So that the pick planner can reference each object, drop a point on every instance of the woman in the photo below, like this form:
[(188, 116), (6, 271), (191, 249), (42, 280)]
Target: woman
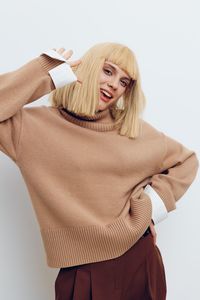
[(99, 177)]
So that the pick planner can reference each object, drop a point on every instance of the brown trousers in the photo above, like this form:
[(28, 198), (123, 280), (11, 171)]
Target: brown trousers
[(138, 274)]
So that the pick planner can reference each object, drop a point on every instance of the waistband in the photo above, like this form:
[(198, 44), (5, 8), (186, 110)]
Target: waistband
[(148, 230)]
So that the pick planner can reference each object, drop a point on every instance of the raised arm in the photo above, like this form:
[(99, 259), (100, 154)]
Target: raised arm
[(25, 85), (28, 83)]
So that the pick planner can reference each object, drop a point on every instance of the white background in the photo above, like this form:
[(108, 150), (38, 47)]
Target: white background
[(165, 37)]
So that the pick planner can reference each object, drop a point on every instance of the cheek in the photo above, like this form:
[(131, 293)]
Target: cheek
[(121, 91), (103, 78)]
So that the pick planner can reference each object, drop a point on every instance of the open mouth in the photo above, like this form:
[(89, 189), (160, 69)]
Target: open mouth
[(105, 96)]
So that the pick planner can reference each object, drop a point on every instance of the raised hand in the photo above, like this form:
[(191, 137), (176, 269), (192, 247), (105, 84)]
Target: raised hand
[(66, 54)]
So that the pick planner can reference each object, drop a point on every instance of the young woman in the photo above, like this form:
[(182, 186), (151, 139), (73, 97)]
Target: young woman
[(98, 175)]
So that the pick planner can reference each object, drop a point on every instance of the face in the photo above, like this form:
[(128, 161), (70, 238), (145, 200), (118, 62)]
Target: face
[(113, 83)]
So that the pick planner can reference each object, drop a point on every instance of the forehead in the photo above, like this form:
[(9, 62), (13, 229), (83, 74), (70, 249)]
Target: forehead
[(117, 68)]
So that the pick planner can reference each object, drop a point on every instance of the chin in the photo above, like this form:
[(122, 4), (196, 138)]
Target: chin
[(102, 108), (103, 105)]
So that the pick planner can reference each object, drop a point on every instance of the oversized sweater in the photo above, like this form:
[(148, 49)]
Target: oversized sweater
[(86, 182)]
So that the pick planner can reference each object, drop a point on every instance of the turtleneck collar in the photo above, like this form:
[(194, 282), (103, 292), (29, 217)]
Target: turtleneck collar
[(101, 121)]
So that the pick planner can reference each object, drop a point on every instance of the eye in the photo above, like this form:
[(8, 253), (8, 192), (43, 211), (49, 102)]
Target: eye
[(107, 71), (124, 83)]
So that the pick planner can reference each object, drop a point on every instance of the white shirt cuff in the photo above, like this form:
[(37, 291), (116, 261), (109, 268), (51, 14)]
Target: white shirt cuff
[(159, 211), (62, 74)]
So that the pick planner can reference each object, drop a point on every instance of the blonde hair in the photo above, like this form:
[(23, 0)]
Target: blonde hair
[(83, 99)]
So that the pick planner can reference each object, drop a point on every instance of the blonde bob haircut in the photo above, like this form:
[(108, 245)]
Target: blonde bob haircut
[(83, 98)]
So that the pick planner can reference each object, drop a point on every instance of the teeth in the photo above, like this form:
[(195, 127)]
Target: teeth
[(107, 94)]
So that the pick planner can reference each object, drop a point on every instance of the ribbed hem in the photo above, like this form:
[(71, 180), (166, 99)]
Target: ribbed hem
[(76, 245)]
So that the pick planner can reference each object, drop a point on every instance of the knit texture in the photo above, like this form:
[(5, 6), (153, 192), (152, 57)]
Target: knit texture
[(86, 182)]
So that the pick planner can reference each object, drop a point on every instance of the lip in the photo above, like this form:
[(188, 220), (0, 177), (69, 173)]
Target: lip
[(104, 99), (107, 92)]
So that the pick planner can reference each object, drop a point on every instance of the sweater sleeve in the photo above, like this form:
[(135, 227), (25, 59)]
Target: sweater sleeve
[(177, 171), (17, 88)]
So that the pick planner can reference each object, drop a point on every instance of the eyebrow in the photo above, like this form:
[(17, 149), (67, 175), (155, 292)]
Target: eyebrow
[(112, 67)]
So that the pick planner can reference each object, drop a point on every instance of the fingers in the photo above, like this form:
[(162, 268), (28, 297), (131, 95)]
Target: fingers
[(153, 232), (66, 54), (74, 63)]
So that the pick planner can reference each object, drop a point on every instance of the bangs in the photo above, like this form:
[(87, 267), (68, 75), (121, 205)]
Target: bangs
[(120, 55)]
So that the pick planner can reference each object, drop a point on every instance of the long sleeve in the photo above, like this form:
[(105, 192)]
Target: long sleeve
[(22, 86), (177, 171)]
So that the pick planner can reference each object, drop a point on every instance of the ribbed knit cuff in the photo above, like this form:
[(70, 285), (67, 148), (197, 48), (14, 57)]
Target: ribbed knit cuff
[(159, 211), (48, 63), (61, 73)]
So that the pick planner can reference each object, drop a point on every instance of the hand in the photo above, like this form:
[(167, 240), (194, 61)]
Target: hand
[(66, 54), (153, 232)]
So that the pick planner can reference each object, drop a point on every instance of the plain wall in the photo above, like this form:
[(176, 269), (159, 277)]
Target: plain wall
[(165, 39)]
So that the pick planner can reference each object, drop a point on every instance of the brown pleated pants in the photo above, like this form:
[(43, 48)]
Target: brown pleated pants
[(138, 274)]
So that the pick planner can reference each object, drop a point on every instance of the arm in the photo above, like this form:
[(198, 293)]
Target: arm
[(177, 171), (29, 83), (25, 85)]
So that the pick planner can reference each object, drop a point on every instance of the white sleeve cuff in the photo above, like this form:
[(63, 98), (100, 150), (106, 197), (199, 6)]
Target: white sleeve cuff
[(62, 74), (159, 211)]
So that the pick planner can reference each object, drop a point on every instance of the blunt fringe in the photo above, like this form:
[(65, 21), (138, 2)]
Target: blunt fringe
[(82, 98)]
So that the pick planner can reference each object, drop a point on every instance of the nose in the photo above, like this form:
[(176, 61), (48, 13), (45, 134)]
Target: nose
[(113, 84)]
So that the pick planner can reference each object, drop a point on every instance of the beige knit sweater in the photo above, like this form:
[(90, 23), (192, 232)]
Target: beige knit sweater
[(86, 182)]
